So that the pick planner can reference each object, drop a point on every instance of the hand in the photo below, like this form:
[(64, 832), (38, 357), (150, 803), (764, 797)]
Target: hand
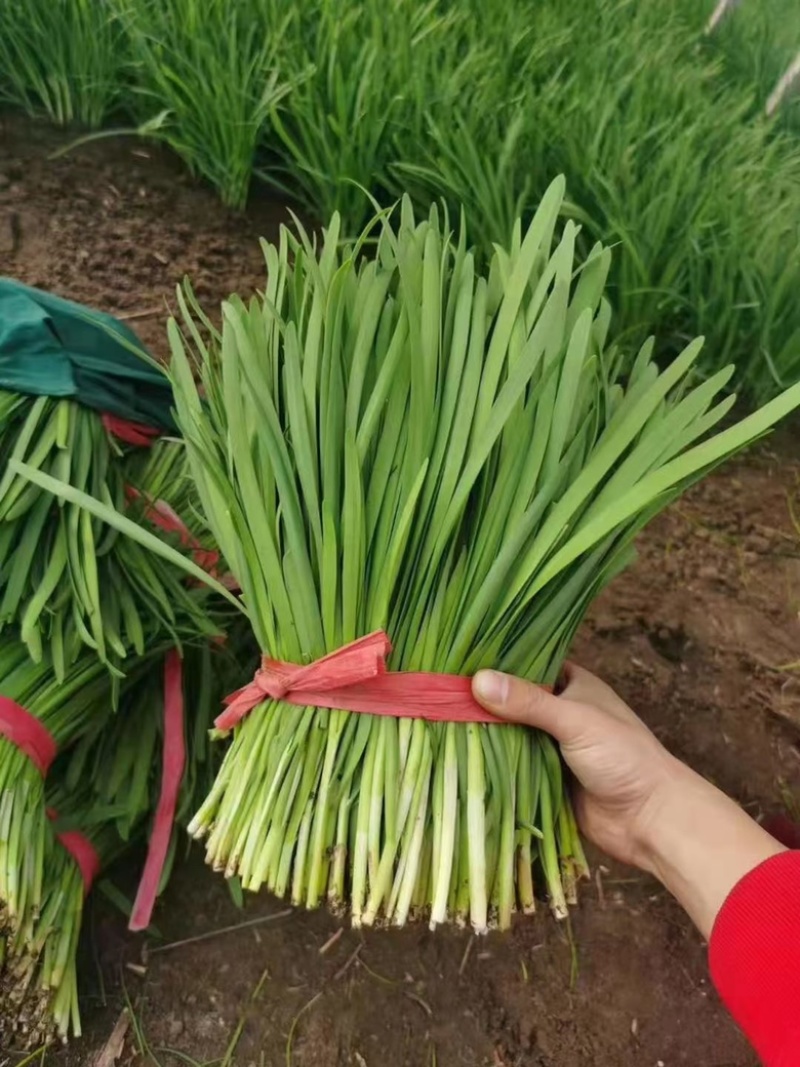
[(633, 799), (621, 769)]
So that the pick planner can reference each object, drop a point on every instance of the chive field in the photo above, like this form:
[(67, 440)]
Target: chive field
[(659, 129)]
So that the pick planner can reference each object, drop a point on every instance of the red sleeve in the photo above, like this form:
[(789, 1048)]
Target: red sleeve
[(754, 957)]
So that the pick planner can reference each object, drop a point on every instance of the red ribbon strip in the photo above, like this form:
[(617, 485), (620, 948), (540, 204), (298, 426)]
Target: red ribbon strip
[(174, 761), (29, 735), (82, 851), (132, 433), (355, 678), (160, 514)]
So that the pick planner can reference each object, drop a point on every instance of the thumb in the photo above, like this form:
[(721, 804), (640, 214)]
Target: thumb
[(519, 701)]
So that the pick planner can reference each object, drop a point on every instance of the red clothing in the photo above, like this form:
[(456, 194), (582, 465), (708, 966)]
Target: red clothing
[(754, 957)]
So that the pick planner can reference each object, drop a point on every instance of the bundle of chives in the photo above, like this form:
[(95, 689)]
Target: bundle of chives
[(34, 703), (411, 444), (105, 786), (407, 443), (64, 709), (66, 687), (65, 578), (38, 974)]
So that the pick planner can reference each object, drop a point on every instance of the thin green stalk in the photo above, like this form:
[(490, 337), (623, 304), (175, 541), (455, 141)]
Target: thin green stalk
[(476, 816), (360, 861), (443, 856)]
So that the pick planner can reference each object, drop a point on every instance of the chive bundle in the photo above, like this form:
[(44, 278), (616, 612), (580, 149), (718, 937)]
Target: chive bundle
[(67, 580), (404, 441), (107, 727), (38, 973), (104, 785), (65, 708), (87, 616)]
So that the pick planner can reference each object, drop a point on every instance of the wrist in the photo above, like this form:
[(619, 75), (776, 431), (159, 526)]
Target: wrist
[(699, 843), (676, 790)]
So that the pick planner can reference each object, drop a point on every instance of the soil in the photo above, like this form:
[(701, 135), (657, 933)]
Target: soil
[(700, 636)]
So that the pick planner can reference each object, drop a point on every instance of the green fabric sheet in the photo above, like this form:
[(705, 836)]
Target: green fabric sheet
[(53, 347)]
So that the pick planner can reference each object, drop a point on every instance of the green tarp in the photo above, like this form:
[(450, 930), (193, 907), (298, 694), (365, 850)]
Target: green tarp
[(52, 347)]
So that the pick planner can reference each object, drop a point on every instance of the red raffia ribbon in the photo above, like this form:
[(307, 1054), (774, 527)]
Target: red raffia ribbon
[(174, 761), (29, 735), (160, 514), (132, 433), (355, 678), (82, 851)]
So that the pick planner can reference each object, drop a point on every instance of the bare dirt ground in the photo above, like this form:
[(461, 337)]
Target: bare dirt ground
[(699, 636)]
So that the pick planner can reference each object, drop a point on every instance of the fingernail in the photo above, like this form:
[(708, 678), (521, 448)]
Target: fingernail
[(491, 687)]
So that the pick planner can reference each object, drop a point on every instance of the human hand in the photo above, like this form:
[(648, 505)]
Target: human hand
[(622, 771), (633, 799)]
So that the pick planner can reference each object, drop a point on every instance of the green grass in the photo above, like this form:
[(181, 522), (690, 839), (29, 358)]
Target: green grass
[(356, 70), (757, 41), (659, 129), (61, 58), (212, 66), (701, 195), (666, 158)]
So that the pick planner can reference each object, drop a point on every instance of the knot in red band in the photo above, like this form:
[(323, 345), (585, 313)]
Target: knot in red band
[(351, 665), (273, 680)]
